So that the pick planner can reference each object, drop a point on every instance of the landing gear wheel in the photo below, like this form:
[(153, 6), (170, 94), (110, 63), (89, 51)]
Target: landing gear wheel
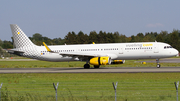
[(86, 66), (96, 66), (158, 65)]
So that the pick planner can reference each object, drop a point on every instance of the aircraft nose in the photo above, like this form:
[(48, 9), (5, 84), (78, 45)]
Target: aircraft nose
[(176, 52)]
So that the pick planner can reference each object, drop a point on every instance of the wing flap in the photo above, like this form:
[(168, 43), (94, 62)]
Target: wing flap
[(80, 54)]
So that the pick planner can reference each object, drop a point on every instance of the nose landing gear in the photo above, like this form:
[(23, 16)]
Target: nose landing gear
[(158, 65)]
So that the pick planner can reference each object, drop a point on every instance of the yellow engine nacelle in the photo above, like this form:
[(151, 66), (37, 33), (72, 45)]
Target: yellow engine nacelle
[(100, 61), (118, 62)]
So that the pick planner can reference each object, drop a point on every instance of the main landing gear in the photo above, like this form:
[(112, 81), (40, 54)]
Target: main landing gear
[(158, 65), (96, 66), (87, 66)]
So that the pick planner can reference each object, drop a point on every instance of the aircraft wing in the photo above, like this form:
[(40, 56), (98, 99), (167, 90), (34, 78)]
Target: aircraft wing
[(87, 55), (80, 54)]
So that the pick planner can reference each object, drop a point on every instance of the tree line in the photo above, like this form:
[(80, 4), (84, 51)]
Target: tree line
[(172, 38)]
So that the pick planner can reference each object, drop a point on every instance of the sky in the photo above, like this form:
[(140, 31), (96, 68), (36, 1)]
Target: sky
[(55, 18)]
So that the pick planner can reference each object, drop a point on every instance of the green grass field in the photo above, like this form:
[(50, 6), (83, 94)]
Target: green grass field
[(89, 86)]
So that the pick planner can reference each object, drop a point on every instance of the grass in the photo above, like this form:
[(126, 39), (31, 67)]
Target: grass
[(90, 86), (87, 86)]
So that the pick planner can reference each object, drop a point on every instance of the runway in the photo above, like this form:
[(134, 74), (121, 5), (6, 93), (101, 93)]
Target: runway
[(92, 70), (165, 60)]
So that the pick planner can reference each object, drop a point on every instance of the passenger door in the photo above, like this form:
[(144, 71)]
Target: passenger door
[(156, 48), (120, 50)]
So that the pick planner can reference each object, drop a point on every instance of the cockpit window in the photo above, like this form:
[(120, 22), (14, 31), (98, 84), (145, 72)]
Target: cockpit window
[(166, 47)]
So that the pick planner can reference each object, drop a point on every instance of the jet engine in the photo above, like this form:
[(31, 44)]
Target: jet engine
[(118, 62), (96, 61)]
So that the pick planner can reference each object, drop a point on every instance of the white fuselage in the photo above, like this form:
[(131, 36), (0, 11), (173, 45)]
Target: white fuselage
[(116, 51)]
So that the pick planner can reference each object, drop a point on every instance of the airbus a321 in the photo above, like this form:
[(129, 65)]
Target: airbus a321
[(92, 54)]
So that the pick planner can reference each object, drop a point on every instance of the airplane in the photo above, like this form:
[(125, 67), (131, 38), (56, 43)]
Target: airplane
[(92, 54)]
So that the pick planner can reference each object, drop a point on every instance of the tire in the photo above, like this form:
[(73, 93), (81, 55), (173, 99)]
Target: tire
[(86, 66), (158, 65), (96, 66)]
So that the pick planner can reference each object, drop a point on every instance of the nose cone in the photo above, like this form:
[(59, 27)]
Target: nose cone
[(175, 52)]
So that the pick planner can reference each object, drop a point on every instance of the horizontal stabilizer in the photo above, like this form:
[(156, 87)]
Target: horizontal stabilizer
[(15, 51)]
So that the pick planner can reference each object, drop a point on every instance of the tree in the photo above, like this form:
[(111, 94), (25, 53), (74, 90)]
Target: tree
[(93, 37), (123, 38), (101, 37), (58, 41), (46, 40), (70, 38), (86, 39), (165, 36), (81, 37), (1, 43), (159, 38), (133, 38), (109, 38), (150, 37), (139, 37), (37, 37), (116, 37), (174, 40), (7, 44)]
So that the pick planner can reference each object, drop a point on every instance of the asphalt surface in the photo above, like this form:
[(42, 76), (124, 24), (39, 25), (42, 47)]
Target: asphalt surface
[(166, 60), (92, 70)]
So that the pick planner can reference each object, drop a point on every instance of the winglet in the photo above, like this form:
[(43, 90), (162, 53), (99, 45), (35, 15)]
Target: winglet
[(48, 49)]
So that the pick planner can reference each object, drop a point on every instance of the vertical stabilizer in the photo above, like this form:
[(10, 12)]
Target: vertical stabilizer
[(20, 39)]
